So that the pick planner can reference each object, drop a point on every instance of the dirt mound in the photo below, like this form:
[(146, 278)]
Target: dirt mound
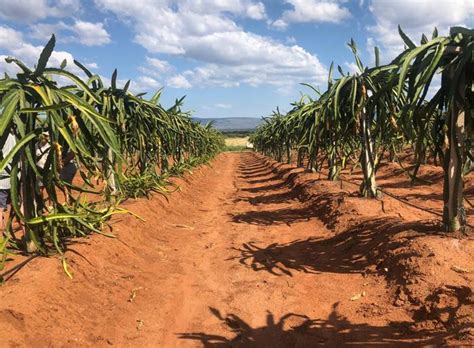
[(431, 272)]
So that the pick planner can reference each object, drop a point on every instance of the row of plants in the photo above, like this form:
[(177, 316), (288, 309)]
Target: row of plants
[(123, 145), (381, 111)]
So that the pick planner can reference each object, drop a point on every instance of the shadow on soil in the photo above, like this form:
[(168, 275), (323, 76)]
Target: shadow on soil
[(273, 190), (346, 252), (273, 217), (296, 330), (360, 248), (275, 198)]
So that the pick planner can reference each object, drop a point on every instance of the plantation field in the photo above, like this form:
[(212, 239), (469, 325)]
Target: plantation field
[(255, 253), (343, 218)]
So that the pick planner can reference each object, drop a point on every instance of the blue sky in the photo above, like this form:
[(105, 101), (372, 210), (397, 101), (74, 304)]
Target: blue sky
[(229, 57)]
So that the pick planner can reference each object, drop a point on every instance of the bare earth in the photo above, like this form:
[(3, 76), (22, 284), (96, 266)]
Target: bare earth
[(246, 255)]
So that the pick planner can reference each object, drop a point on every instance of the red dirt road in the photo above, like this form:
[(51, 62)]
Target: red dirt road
[(235, 259)]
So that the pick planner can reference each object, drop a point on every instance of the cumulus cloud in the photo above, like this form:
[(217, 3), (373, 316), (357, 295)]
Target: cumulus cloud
[(279, 24), (43, 31), (287, 68), (156, 68), (86, 33), (223, 106), (352, 67), (415, 18), (13, 43), (147, 83), (33, 10), (178, 81), (91, 34), (10, 39), (291, 40), (91, 65), (203, 31), (318, 11), (245, 8), (136, 86), (256, 11), (158, 64), (9, 69)]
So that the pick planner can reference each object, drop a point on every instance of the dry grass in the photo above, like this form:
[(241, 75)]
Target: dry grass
[(238, 141)]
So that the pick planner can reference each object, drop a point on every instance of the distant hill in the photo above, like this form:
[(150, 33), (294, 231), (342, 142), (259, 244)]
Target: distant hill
[(232, 124)]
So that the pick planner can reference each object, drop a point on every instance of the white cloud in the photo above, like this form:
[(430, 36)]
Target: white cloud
[(245, 8), (435, 85), (415, 18), (280, 24), (10, 39), (236, 47), (91, 65), (223, 106), (203, 30), (156, 68), (141, 84), (147, 83), (13, 43), (33, 10), (286, 91), (43, 31), (256, 11), (277, 74), (158, 64), (317, 11), (10, 69), (178, 81), (91, 34), (86, 33), (291, 40), (352, 67)]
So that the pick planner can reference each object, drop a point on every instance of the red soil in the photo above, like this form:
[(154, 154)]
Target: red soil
[(253, 253)]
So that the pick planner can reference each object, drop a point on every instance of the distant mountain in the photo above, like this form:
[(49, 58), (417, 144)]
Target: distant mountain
[(229, 124)]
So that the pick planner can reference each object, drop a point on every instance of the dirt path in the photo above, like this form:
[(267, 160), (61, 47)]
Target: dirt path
[(233, 260)]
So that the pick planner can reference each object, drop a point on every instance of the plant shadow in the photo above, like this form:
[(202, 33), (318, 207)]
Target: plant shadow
[(297, 330), (346, 252)]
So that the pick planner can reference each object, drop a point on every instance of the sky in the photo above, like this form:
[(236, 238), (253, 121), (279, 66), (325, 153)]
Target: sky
[(231, 58)]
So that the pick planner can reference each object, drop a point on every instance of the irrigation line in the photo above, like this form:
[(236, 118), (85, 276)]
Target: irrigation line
[(427, 210), (410, 204), (400, 199)]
